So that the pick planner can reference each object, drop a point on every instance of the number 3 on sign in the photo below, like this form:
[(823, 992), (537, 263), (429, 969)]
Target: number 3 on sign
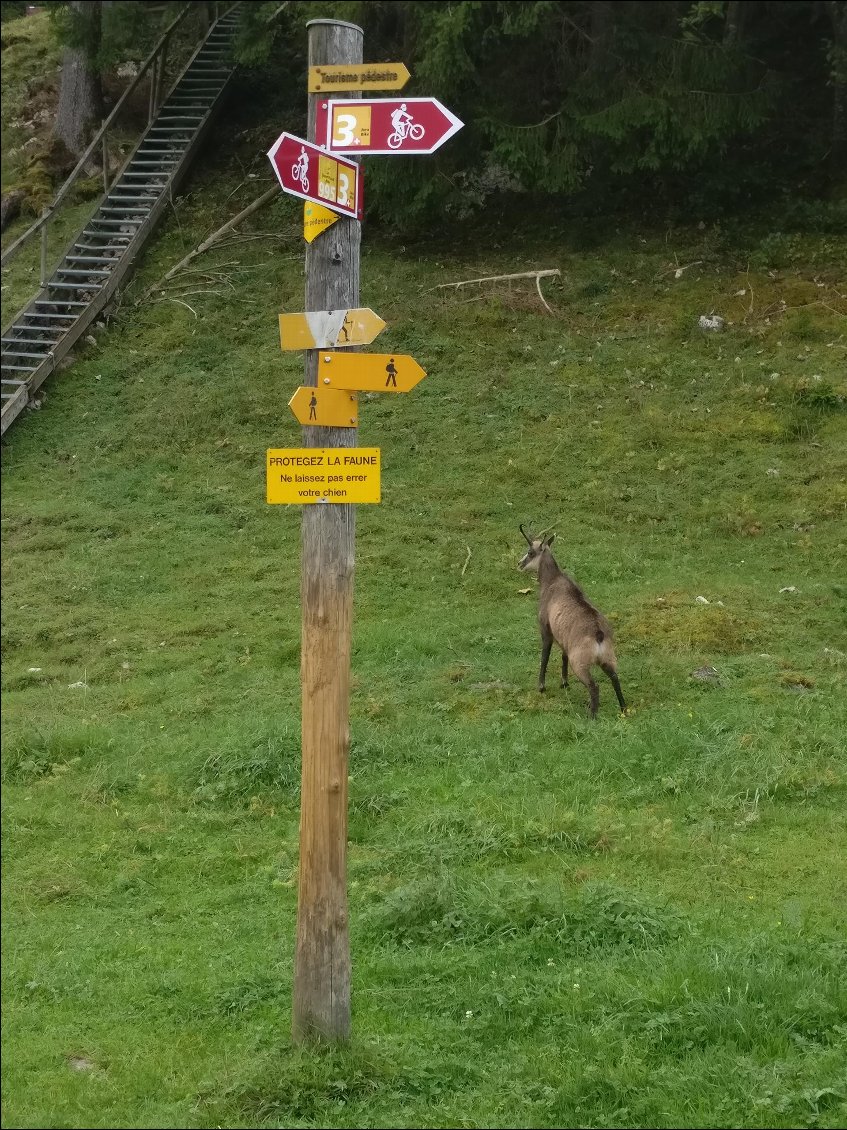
[(336, 184), (352, 129), (344, 190)]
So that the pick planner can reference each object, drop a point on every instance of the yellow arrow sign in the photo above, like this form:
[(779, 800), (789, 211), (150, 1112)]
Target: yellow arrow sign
[(325, 407), (371, 372), (316, 219), (323, 474), (329, 329), (359, 76)]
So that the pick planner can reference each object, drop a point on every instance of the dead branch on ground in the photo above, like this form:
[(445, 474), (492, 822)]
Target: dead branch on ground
[(537, 275)]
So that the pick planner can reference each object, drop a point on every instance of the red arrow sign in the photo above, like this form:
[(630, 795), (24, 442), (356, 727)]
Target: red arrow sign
[(310, 172), (385, 125)]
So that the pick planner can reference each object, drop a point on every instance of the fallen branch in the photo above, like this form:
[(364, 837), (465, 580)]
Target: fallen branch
[(214, 238), (500, 278), (181, 303), (537, 275)]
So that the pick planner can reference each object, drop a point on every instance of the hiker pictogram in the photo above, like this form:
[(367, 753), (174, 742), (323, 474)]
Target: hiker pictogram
[(313, 404), (391, 369)]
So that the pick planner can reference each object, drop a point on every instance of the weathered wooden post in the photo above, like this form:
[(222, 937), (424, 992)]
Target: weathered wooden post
[(321, 998)]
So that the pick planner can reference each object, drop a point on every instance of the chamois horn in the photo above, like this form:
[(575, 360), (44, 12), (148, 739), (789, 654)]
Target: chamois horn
[(525, 534)]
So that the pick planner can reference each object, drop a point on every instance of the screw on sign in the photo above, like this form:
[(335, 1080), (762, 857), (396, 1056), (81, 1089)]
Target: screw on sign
[(385, 125), (307, 171)]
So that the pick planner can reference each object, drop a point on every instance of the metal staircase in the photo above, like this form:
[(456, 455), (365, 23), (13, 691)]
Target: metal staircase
[(101, 256)]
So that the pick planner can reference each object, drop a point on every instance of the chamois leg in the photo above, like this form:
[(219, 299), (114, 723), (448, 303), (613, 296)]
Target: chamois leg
[(546, 646), (583, 673), (564, 668), (616, 683)]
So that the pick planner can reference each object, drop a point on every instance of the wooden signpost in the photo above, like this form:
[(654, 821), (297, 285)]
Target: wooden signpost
[(329, 475)]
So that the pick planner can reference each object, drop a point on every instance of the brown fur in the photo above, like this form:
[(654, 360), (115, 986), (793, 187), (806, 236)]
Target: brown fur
[(566, 616)]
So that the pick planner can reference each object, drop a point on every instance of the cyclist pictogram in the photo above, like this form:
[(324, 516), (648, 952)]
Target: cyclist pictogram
[(300, 169), (404, 126)]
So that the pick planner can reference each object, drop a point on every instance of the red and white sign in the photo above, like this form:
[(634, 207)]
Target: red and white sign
[(306, 170), (385, 125)]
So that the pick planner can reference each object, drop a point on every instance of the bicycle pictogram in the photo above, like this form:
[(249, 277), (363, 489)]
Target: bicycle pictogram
[(300, 169), (404, 126)]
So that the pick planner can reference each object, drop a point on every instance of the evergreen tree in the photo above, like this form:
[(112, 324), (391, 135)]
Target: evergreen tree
[(706, 104)]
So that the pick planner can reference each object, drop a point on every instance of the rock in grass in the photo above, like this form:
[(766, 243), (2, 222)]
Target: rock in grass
[(706, 675)]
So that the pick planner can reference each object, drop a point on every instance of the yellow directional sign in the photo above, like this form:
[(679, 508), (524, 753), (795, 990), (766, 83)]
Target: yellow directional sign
[(358, 76), (371, 372), (316, 219), (325, 407), (323, 474), (329, 329)]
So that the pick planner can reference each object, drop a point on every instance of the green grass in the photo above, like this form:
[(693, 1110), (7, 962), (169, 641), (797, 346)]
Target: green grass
[(635, 922)]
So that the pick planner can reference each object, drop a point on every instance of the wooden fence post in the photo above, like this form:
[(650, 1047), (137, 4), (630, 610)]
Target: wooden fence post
[(322, 967)]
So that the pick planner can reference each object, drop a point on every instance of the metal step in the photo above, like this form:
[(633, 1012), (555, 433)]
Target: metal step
[(58, 302), (116, 223), (84, 272), (51, 317), (77, 287), (128, 194), (25, 340), (18, 369), (37, 357)]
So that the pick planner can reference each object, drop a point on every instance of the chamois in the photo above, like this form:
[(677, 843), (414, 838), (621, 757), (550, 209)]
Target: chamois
[(567, 617)]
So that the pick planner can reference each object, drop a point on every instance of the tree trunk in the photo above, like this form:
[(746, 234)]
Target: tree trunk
[(10, 207), (80, 97)]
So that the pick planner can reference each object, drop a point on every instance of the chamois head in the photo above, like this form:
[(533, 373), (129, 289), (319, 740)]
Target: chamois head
[(532, 558)]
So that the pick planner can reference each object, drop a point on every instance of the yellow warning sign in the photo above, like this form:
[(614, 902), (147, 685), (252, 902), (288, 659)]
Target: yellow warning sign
[(302, 475), (316, 219)]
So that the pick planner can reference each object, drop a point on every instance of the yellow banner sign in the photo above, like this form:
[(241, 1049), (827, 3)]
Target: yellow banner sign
[(329, 329), (316, 219), (371, 372), (303, 475), (358, 76), (325, 407)]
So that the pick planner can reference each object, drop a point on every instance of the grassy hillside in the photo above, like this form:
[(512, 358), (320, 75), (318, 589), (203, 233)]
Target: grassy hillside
[(635, 922)]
